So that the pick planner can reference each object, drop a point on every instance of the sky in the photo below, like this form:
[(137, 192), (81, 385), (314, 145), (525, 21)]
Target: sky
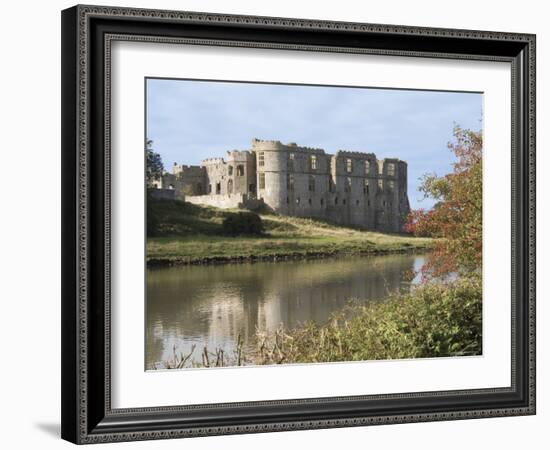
[(189, 121)]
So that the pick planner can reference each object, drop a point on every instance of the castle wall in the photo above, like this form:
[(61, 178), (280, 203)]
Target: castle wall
[(296, 178), (348, 188), (230, 201)]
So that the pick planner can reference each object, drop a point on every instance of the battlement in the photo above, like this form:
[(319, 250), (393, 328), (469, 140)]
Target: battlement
[(352, 154), (347, 187), (212, 161), (271, 145), (187, 170), (239, 155)]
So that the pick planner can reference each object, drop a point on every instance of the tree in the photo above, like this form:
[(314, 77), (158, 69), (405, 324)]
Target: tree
[(154, 171), (155, 168), (456, 219)]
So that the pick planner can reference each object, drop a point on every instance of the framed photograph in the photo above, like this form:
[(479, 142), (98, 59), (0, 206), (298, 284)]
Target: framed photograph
[(277, 224)]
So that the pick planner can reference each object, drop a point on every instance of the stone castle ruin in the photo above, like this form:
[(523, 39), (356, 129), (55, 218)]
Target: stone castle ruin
[(347, 188)]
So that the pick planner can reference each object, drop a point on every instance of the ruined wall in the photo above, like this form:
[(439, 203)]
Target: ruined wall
[(189, 180), (230, 201), (347, 188), (237, 175), (296, 179), (392, 204)]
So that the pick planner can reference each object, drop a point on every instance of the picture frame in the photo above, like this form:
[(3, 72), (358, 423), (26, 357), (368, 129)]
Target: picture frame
[(88, 33)]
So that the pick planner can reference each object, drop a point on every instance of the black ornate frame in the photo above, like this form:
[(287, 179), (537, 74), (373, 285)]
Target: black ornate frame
[(87, 32)]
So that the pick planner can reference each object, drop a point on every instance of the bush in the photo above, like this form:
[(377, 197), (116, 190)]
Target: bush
[(434, 320), (243, 223)]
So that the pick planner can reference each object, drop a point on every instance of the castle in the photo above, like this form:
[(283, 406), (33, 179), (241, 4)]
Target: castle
[(347, 188)]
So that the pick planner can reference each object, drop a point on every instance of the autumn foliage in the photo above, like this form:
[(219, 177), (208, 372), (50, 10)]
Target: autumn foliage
[(456, 218)]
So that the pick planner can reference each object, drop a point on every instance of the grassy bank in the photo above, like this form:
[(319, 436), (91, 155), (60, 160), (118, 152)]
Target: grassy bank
[(190, 234), (433, 320)]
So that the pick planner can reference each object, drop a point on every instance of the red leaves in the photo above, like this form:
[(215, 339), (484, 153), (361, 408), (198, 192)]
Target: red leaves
[(456, 220)]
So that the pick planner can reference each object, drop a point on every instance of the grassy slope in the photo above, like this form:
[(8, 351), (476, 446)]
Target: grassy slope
[(190, 233)]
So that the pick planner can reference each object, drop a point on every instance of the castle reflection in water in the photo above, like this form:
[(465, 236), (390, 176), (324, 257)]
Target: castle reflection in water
[(213, 305)]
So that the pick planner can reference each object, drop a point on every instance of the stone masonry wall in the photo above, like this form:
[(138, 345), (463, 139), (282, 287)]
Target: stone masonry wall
[(347, 188)]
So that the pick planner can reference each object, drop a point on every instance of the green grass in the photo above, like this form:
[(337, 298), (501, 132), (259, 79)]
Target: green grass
[(189, 233)]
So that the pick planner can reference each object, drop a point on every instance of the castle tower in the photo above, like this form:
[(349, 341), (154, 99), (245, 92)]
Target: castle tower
[(292, 180)]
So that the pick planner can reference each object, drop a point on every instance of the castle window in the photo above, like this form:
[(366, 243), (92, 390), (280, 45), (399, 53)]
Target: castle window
[(348, 185), (344, 201), (330, 185), (391, 185), (313, 162), (261, 180), (391, 169), (171, 186), (298, 201), (349, 165), (230, 170), (311, 184), (261, 159), (251, 188), (287, 200), (336, 201), (199, 188), (322, 202), (240, 170), (366, 187), (218, 188), (309, 201), (368, 203), (384, 203), (290, 182), (367, 167), (380, 184), (209, 188), (291, 161), (230, 187)]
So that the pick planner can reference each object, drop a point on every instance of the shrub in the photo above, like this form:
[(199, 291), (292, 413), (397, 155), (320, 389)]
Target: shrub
[(243, 223), (434, 320)]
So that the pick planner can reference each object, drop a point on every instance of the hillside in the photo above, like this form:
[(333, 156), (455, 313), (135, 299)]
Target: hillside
[(191, 234)]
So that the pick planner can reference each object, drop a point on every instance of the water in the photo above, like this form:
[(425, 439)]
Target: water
[(213, 305)]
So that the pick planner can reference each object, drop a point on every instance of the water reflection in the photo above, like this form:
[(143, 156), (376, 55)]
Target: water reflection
[(213, 305)]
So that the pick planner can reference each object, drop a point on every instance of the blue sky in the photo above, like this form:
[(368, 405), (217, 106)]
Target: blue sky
[(192, 120)]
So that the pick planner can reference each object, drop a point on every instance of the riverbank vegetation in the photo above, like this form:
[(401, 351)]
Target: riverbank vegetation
[(438, 319), (192, 234)]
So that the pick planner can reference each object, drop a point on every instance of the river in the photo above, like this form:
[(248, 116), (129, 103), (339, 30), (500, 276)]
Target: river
[(213, 304)]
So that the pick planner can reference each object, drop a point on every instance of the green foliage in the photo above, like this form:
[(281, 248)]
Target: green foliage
[(243, 223), (456, 219), (155, 168), (434, 320)]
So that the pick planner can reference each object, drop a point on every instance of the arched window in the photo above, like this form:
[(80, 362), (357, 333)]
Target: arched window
[(230, 187)]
